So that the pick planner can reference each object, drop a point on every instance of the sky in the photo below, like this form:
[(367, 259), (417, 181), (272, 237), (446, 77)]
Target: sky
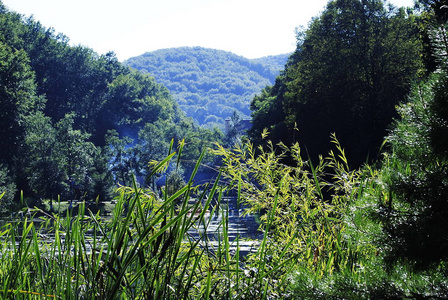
[(250, 28)]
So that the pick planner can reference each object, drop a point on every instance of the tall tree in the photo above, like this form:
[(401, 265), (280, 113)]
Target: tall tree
[(415, 213), (75, 157), (17, 99), (40, 175), (352, 65), (135, 99)]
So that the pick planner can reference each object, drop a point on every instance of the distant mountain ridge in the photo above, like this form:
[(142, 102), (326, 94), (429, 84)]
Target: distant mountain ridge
[(210, 84)]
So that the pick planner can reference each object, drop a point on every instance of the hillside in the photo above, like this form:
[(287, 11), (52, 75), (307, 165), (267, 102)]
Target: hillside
[(275, 62), (209, 84)]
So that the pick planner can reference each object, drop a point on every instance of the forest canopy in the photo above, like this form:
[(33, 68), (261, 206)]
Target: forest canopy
[(209, 84)]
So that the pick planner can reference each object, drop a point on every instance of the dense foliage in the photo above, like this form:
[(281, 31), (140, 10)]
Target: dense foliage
[(354, 63), (209, 84), (61, 106), (415, 213), (329, 231)]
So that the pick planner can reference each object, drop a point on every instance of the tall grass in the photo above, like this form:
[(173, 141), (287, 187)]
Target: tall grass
[(319, 239), (145, 251), (322, 239)]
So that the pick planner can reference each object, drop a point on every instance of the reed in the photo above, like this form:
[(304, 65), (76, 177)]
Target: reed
[(319, 238), (145, 251)]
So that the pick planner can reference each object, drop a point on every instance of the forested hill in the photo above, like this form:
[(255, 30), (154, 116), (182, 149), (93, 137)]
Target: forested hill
[(210, 84), (275, 62)]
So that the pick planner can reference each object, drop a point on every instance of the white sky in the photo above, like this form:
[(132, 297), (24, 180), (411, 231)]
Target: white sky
[(251, 28)]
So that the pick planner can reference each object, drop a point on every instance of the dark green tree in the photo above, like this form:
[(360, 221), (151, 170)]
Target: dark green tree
[(17, 99), (153, 144), (415, 216), (40, 175), (74, 155), (8, 190), (352, 65), (101, 185), (174, 182), (135, 99)]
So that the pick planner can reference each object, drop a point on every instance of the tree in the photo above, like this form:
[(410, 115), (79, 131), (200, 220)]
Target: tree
[(153, 144), (134, 100), (7, 191), (17, 99), (74, 155), (40, 175), (59, 102), (352, 66), (174, 182), (122, 157), (415, 211), (102, 185)]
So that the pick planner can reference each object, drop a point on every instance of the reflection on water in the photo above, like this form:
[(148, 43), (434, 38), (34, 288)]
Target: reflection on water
[(245, 228)]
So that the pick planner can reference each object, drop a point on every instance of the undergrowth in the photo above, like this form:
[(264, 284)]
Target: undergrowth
[(319, 238)]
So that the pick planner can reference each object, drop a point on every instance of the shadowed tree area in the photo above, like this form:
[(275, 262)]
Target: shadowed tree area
[(415, 213), (352, 66)]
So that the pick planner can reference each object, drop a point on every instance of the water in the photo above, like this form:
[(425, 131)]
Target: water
[(245, 228)]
